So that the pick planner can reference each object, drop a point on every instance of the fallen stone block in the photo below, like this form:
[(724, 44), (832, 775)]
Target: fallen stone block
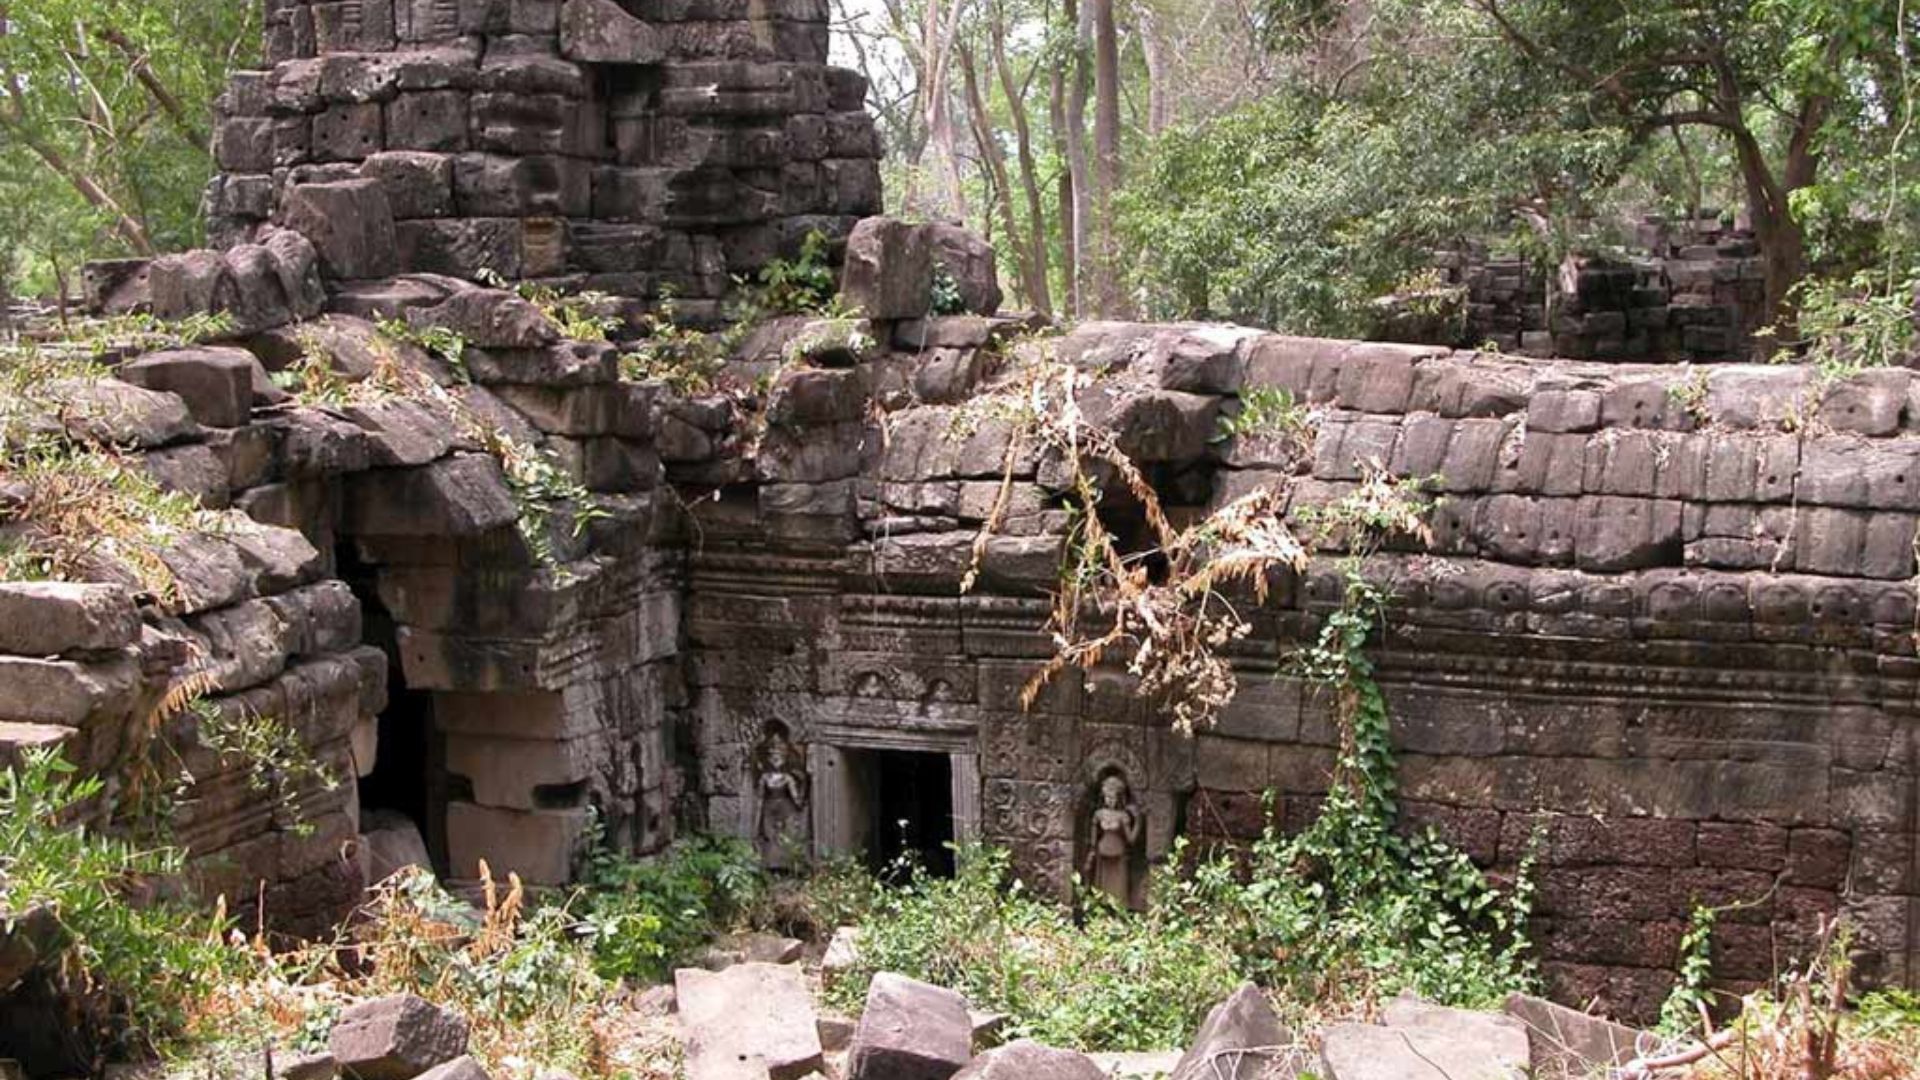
[(63, 693), (910, 1030), (390, 843), (315, 1066), (396, 1038), (120, 413), (47, 618), (1417, 1040), (749, 1022), (971, 264), (458, 496), (1024, 1059), (842, 956), (463, 1067), (1240, 1037), (1565, 1042), (490, 319)]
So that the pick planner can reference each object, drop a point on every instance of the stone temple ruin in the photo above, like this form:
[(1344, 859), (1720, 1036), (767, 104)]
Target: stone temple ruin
[(1667, 620)]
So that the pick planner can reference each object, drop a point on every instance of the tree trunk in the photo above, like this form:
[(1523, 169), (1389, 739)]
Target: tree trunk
[(938, 45), (1106, 155), (1063, 185), (1075, 134), (1042, 295), (994, 165), (1157, 51), (1783, 243)]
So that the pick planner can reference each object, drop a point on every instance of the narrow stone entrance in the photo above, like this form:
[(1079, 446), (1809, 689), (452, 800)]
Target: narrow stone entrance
[(882, 797), (909, 801)]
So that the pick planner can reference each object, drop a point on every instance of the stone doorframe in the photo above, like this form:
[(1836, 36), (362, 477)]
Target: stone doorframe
[(834, 829)]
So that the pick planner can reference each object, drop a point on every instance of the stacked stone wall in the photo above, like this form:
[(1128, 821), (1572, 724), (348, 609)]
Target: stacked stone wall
[(1688, 291), (656, 148)]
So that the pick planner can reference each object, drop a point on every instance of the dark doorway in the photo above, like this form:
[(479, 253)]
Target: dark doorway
[(409, 771), (911, 809)]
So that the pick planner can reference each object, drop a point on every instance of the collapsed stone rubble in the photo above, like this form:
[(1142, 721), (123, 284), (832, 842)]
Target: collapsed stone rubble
[(1666, 620)]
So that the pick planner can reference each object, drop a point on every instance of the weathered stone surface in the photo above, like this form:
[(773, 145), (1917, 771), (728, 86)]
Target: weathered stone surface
[(971, 263), (47, 618), (601, 32), (216, 384), (1024, 1059), (391, 843), (542, 846), (350, 224), (112, 412), (1238, 1040), (458, 496), (910, 1031), (889, 269), (490, 319), (1421, 1040), (1566, 1043), (463, 1067), (396, 1038), (751, 1020)]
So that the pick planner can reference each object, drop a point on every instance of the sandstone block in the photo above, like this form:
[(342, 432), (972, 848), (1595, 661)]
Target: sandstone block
[(47, 618), (539, 845), (215, 383), (350, 224), (910, 1031), (751, 1020), (601, 32), (490, 319), (889, 269), (1024, 1059), (1244, 1021), (396, 1038), (1420, 1040), (463, 1067), (970, 262), (457, 496)]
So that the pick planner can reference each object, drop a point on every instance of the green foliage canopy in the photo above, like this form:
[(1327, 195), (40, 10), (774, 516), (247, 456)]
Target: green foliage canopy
[(105, 113)]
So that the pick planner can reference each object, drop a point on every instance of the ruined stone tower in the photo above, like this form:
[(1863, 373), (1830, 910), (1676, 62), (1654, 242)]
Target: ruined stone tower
[(630, 148)]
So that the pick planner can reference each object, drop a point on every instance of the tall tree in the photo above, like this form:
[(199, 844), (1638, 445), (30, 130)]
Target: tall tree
[(1106, 155), (101, 107), (1071, 131), (1769, 76), (1015, 92)]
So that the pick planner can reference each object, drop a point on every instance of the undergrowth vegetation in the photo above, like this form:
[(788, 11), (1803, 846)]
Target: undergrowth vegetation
[(131, 956), (1110, 980), (542, 976)]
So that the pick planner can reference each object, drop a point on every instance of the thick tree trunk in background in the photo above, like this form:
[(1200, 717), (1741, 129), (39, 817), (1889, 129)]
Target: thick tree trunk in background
[(1106, 157), (1063, 184), (1157, 51), (1074, 134), (937, 101), (1783, 241), (1041, 295), (994, 165)]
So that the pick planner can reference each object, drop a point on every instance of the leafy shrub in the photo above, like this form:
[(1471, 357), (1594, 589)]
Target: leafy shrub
[(1267, 412), (1117, 981), (687, 361), (1850, 325), (799, 286), (643, 915), (132, 962)]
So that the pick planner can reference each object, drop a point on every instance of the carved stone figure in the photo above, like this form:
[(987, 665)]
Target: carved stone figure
[(1115, 831), (780, 831)]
